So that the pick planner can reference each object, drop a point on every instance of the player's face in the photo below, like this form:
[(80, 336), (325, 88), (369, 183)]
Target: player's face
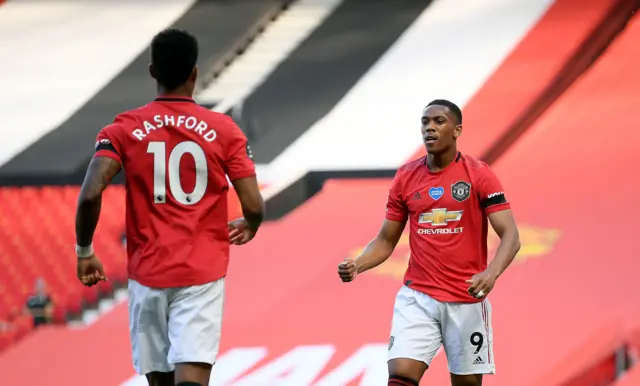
[(439, 129)]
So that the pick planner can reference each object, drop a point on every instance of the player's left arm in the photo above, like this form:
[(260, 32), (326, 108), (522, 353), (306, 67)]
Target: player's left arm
[(498, 211), (100, 172), (505, 226)]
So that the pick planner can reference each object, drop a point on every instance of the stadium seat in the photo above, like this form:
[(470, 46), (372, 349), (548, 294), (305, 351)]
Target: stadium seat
[(36, 240)]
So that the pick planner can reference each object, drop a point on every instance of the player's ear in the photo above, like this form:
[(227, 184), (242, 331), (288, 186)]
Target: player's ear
[(457, 131), (194, 74), (152, 71)]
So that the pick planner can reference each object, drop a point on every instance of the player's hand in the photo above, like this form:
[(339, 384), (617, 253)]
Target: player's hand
[(347, 270), (239, 232), (481, 284), (90, 271)]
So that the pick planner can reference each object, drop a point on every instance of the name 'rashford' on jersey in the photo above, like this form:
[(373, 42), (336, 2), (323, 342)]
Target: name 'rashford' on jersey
[(447, 213), (176, 156)]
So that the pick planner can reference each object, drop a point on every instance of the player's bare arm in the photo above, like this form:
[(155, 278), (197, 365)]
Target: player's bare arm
[(505, 227), (376, 252), (100, 172), (243, 230)]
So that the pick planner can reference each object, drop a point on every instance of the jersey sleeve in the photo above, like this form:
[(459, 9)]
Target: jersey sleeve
[(108, 143), (396, 206), (239, 162), (492, 198)]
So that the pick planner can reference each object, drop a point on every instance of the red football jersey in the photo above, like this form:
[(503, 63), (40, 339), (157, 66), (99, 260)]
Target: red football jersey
[(447, 213), (176, 155)]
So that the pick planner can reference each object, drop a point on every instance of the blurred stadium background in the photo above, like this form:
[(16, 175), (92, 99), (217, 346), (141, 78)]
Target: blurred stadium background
[(329, 93)]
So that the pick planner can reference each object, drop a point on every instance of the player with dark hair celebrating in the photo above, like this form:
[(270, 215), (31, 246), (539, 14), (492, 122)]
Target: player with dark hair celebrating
[(447, 197), (177, 156)]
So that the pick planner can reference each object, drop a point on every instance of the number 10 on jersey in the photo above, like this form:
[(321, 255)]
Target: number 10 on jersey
[(163, 168)]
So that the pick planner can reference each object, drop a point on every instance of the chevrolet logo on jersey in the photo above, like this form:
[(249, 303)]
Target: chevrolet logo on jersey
[(440, 217)]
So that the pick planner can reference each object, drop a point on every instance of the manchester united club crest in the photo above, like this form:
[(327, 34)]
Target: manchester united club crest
[(460, 190)]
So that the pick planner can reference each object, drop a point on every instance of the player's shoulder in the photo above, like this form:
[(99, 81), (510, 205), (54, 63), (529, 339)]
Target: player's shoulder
[(412, 165), (124, 123), (473, 163), (404, 172), (119, 125), (130, 117)]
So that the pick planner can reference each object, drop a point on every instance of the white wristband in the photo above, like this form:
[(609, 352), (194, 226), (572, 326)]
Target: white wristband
[(84, 252)]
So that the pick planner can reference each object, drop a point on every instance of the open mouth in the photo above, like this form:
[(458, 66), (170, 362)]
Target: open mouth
[(430, 139)]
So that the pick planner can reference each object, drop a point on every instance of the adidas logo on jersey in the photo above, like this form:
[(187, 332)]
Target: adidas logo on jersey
[(478, 361)]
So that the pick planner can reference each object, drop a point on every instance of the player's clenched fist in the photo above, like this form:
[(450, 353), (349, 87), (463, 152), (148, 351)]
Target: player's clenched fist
[(481, 284), (347, 270), (90, 271)]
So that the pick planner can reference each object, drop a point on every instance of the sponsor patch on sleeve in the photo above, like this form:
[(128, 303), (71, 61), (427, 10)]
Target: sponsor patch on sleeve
[(495, 198)]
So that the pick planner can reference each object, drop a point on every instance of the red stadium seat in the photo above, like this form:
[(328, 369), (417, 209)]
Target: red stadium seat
[(36, 241)]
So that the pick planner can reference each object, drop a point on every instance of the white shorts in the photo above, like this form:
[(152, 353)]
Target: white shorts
[(174, 325), (422, 324)]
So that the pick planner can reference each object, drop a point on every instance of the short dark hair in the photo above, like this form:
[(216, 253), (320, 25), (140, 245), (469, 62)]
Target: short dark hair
[(453, 108), (174, 53)]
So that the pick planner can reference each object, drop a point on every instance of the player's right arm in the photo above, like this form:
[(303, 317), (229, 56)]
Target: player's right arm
[(380, 249), (105, 165), (376, 252)]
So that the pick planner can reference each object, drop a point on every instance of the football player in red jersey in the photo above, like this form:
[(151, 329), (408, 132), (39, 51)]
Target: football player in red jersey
[(177, 156), (447, 198)]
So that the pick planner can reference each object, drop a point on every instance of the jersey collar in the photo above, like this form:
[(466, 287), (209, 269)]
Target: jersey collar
[(455, 160), (173, 98)]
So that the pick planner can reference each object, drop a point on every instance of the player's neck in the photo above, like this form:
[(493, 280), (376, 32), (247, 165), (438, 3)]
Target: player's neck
[(437, 162), (182, 91)]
